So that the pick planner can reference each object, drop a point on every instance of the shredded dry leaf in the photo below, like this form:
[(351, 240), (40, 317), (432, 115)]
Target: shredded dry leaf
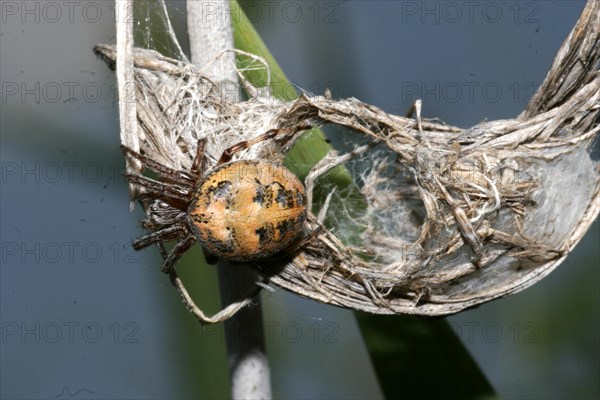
[(448, 218)]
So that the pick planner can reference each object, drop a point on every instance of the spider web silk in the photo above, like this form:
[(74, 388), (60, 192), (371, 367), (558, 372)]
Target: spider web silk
[(370, 216)]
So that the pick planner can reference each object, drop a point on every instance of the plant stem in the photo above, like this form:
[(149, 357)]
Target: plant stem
[(210, 31)]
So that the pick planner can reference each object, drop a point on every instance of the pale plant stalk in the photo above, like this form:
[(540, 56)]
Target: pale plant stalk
[(210, 32)]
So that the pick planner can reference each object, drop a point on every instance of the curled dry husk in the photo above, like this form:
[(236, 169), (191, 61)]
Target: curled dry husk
[(448, 218)]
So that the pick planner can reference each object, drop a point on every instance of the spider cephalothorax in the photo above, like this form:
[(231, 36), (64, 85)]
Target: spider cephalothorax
[(240, 211)]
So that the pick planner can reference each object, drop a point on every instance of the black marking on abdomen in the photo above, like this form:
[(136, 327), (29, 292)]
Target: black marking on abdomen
[(285, 226), (222, 190), (300, 198), (223, 247), (199, 218), (260, 195), (276, 193), (285, 198), (265, 234)]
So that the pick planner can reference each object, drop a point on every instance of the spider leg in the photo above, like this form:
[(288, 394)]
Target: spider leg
[(308, 238), (176, 203), (159, 168), (293, 248), (197, 164), (165, 234), (170, 190), (229, 152), (176, 253)]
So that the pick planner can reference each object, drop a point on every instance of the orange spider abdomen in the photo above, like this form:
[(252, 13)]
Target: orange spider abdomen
[(247, 210)]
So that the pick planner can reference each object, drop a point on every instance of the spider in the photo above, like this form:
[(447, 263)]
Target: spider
[(241, 211)]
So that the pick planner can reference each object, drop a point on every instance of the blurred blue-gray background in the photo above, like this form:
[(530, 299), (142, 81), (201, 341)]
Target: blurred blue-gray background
[(83, 316)]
